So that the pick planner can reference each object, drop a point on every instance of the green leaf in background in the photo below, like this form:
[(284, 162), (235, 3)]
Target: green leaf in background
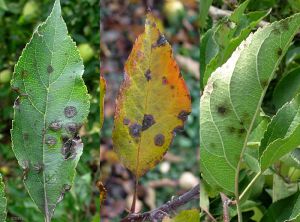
[(204, 8), (282, 135), (3, 201), (284, 210), (290, 81), (192, 215), (218, 43), (232, 99), (3, 5), (51, 107), (281, 189)]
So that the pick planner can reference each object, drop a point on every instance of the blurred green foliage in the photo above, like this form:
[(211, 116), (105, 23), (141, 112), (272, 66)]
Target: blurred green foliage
[(18, 19)]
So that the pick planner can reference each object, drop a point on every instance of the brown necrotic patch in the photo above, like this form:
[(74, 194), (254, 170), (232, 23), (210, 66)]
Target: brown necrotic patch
[(178, 129), (70, 111), (159, 139), (126, 121), (148, 121), (183, 115), (38, 167), (241, 131), (55, 125), (231, 129), (279, 51), (72, 128), (69, 147), (135, 130), (24, 73), (49, 69), (148, 75)]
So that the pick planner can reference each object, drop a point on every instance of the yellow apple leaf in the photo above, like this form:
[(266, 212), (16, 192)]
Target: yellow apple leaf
[(153, 102)]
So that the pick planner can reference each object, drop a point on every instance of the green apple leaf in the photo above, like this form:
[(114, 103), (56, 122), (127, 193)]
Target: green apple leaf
[(52, 105), (232, 100)]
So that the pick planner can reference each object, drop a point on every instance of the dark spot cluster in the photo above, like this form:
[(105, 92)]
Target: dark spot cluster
[(183, 115), (148, 121), (50, 69), (159, 139), (73, 128), (279, 51), (38, 167), (264, 83), (238, 131), (135, 130), (70, 111), (148, 75)]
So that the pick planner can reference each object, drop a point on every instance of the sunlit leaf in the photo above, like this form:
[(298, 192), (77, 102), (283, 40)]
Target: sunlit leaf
[(51, 107), (232, 100), (153, 102)]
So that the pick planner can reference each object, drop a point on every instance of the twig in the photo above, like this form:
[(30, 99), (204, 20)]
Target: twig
[(216, 13), (159, 213), (226, 201)]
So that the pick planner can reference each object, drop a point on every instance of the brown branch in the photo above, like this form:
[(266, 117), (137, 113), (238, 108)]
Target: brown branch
[(159, 213)]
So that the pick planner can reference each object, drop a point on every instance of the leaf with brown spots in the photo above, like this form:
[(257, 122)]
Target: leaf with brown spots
[(232, 100), (153, 102), (52, 105)]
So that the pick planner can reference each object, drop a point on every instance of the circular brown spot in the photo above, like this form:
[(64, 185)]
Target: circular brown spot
[(159, 139), (126, 121), (70, 111), (55, 126), (148, 121), (135, 130)]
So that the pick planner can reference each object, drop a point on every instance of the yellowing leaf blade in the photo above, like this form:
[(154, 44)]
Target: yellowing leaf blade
[(153, 102)]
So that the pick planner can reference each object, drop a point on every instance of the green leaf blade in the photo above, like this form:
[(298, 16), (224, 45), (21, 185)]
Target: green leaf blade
[(282, 135), (52, 105), (3, 201), (232, 98)]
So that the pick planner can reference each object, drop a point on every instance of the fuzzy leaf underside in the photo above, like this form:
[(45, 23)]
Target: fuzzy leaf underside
[(282, 135), (153, 102), (3, 201), (232, 98), (51, 107)]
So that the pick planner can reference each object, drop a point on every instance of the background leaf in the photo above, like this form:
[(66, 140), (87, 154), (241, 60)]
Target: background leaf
[(232, 98), (282, 135), (203, 12), (102, 95), (153, 102), (290, 81), (219, 42), (284, 210), (48, 80), (3, 201)]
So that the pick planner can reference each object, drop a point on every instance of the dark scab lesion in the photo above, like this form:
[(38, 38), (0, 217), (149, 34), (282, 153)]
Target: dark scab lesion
[(50, 69), (26, 169), (70, 111), (51, 141), (183, 115), (25, 136), (164, 80), (264, 83), (24, 73), (222, 110), (70, 146), (38, 167), (161, 41), (178, 129), (126, 121), (279, 52), (159, 139), (231, 129), (241, 131), (73, 128), (135, 130), (55, 125), (148, 121), (148, 75), (65, 188), (17, 103)]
